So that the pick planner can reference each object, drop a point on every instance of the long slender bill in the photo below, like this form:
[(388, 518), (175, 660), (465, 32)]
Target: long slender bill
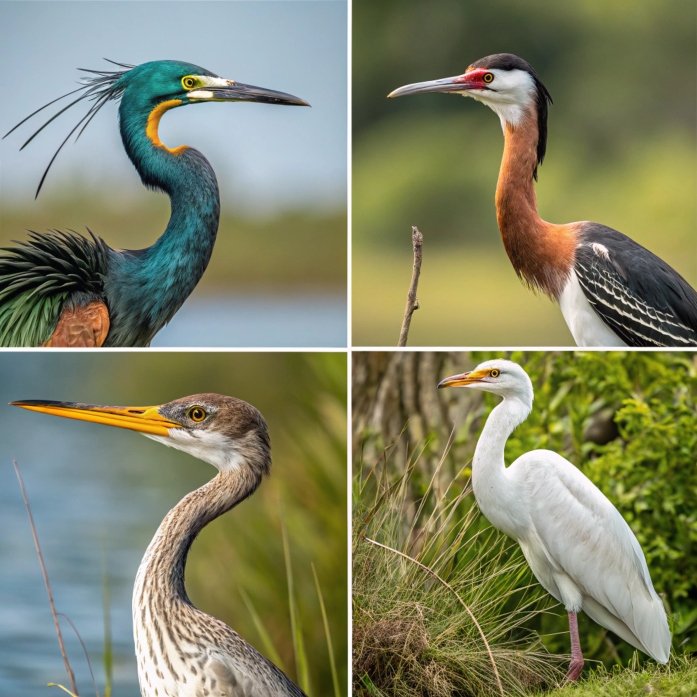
[(456, 83), (143, 419), (222, 90)]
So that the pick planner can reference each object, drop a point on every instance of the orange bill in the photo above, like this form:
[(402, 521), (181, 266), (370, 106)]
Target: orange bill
[(143, 419), (463, 379)]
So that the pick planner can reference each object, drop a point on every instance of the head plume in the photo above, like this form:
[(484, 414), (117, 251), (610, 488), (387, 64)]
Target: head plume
[(98, 87)]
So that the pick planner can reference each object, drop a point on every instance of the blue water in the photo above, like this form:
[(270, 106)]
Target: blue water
[(95, 507), (97, 499), (276, 321), (93, 520)]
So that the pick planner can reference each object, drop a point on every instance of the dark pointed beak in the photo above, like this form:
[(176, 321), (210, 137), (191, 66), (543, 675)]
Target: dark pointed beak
[(239, 92), (457, 83), (147, 420)]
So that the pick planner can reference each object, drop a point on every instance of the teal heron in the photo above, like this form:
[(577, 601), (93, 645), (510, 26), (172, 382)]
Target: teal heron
[(64, 289)]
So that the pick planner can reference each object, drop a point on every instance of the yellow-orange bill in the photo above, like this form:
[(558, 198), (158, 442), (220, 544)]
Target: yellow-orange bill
[(463, 379), (143, 419)]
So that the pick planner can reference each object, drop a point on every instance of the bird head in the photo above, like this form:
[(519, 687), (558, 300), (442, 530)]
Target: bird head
[(505, 83), (499, 376), (165, 81), (226, 432), (146, 91)]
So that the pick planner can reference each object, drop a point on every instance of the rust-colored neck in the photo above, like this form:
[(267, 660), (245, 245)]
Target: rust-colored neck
[(541, 252)]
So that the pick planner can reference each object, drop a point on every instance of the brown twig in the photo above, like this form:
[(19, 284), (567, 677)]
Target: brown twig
[(47, 583), (412, 305)]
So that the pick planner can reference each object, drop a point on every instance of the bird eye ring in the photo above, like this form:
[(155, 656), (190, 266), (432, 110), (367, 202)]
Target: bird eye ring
[(488, 77), (188, 82), (494, 373), (197, 414)]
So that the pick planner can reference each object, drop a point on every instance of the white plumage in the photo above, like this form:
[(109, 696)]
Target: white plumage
[(576, 542), (585, 325)]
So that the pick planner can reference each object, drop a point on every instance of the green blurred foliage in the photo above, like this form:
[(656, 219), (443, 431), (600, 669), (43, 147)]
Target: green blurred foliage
[(644, 405), (628, 420), (621, 148), (296, 251)]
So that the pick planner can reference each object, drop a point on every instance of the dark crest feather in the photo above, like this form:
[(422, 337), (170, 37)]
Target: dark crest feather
[(509, 61), (99, 87)]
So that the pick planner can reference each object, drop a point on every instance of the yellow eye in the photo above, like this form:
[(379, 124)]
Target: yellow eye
[(197, 414), (188, 82), (488, 77), (494, 373)]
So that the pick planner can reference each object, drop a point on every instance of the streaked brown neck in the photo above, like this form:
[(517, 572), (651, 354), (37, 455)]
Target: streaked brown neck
[(541, 252), (161, 572)]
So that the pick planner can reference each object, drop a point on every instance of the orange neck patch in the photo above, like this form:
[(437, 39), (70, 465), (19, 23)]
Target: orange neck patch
[(153, 123)]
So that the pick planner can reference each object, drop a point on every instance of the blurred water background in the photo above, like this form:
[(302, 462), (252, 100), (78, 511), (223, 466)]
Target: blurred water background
[(281, 170), (98, 495)]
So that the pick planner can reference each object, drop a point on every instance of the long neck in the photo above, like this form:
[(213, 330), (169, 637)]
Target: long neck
[(541, 252), (491, 487), (160, 578), (148, 286)]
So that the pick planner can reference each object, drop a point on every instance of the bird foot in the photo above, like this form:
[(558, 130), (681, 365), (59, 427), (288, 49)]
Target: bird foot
[(575, 669)]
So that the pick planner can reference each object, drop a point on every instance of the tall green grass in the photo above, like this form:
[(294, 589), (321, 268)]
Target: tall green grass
[(440, 602)]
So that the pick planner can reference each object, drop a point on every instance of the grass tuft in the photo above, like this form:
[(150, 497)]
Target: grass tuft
[(441, 602), (328, 635)]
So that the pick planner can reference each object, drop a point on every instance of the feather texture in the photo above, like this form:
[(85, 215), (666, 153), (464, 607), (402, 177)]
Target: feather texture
[(40, 276)]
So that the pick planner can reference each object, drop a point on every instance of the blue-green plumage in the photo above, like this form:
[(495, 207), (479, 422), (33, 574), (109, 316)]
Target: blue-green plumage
[(46, 281)]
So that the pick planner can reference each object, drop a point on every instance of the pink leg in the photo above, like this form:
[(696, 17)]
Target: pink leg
[(576, 665)]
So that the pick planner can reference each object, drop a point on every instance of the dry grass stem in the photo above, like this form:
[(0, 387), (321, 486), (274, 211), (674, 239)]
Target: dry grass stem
[(47, 582)]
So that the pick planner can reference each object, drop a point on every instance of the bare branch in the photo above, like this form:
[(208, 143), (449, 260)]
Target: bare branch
[(412, 302)]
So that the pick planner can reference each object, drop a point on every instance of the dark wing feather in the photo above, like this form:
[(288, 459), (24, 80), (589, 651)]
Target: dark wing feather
[(43, 276), (642, 299)]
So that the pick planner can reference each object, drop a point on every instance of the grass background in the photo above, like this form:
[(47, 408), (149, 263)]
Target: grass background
[(622, 151), (627, 420)]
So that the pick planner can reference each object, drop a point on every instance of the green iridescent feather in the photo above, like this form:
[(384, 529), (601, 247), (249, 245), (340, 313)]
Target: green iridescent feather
[(37, 277)]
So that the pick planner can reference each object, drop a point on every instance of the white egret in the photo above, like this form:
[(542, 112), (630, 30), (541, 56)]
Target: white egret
[(576, 542)]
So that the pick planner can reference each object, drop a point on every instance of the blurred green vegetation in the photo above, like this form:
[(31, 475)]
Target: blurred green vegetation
[(647, 468), (296, 251), (628, 420), (621, 151), (236, 569)]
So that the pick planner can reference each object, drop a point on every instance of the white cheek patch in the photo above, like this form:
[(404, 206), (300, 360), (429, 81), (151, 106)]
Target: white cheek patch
[(200, 94), (511, 96), (208, 446)]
